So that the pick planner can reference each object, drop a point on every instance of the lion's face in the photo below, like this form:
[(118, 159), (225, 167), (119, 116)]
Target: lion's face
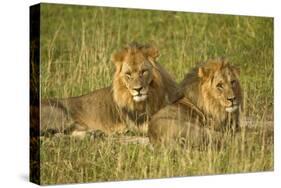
[(225, 89), (221, 81), (137, 83), (136, 74)]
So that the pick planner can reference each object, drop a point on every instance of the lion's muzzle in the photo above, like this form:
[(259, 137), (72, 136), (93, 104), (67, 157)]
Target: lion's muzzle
[(233, 104), (231, 108), (139, 94), (139, 98)]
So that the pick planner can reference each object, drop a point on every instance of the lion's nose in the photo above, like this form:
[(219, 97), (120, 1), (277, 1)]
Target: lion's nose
[(231, 99), (138, 89)]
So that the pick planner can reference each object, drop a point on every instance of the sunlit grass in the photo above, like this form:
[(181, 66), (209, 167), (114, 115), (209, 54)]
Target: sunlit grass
[(76, 44)]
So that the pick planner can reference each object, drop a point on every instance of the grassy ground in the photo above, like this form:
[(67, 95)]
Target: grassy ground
[(76, 43)]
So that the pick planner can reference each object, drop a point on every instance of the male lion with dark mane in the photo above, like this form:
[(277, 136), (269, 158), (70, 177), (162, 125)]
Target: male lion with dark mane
[(211, 105), (140, 88)]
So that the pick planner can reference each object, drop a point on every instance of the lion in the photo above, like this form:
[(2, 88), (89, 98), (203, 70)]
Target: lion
[(140, 87), (211, 105), (215, 88)]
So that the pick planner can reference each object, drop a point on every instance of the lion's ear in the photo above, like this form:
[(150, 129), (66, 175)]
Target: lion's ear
[(223, 62), (118, 56), (236, 71), (202, 72), (152, 53)]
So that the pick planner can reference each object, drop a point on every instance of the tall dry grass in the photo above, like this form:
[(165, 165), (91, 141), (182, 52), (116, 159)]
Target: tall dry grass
[(76, 44)]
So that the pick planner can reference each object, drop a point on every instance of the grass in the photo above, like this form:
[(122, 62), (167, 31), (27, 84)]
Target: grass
[(71, 160), (76, 44)]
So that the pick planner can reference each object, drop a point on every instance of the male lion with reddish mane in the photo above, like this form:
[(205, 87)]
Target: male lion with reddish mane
[(211, 105), (140, 88)]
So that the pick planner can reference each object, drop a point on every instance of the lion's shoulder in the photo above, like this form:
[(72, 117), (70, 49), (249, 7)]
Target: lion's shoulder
[(189, 86)]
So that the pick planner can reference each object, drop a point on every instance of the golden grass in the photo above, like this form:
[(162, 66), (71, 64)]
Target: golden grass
[(76, 44)]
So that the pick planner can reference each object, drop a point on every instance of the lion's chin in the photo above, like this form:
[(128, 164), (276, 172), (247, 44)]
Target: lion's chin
[(231, 109), (140, 98)]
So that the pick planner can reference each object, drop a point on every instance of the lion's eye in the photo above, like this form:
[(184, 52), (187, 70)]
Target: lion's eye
[(144, 72), (128, 74), (220, 86)]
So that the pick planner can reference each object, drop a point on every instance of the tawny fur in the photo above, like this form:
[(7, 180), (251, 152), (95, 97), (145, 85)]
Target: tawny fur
[(203, 118), (201, 90), (112, 109)]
